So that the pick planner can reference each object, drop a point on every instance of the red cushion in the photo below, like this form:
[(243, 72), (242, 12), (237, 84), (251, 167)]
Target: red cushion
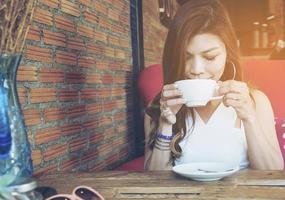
[(133, 165), (150, 82), (268, 76)]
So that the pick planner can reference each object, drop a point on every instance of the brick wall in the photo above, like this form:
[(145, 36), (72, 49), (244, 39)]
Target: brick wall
[(154, 32), (73, 85)]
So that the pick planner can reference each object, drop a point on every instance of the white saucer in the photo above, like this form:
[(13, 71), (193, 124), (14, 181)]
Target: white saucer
[(205, 171)]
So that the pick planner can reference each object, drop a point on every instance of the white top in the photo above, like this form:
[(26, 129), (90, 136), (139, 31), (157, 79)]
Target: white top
[(216, 141)]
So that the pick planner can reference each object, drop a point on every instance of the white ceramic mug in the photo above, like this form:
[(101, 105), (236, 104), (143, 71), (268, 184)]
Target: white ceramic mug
[(198, 92)]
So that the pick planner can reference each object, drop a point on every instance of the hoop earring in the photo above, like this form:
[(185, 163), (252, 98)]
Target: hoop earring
[(234, 70)]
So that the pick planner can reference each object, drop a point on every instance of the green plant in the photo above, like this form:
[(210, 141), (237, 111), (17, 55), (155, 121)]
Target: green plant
[(15, 20)]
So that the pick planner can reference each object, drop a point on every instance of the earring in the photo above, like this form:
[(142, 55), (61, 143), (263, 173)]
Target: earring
[(234, 69)]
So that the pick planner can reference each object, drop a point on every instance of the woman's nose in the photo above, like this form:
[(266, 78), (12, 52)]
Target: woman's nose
[(197, 68)]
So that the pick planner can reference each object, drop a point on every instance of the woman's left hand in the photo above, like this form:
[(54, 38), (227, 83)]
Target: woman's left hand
[(236, 94)]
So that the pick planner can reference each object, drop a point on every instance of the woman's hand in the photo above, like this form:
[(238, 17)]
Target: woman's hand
[(236, 94), (171, 102)]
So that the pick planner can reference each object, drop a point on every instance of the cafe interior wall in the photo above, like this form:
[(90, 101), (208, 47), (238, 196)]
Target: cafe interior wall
[(74, 85), (154, 33)]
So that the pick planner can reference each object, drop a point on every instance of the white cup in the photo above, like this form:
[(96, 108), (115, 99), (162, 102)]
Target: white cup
[(198, 92)]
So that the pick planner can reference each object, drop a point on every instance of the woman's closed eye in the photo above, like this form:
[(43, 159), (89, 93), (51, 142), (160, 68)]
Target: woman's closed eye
[(210, 57)]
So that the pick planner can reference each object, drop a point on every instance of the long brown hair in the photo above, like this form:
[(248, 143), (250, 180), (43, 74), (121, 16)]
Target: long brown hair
[(192, 18)]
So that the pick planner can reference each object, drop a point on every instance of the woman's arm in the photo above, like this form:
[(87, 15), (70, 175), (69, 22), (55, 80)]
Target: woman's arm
[(258, 119), (263, 147), (156, 159)]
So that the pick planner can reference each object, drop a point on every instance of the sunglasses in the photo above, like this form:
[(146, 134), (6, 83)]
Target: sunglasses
[(79, 193)]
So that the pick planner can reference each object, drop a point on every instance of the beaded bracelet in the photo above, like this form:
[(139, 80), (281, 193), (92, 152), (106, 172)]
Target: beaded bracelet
[(166, 137)]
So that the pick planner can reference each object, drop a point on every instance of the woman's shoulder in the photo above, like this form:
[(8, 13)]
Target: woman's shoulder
[(258, 95), (260, 99)]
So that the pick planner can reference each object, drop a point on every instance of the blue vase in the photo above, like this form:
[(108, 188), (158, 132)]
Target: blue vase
[(15, 154)]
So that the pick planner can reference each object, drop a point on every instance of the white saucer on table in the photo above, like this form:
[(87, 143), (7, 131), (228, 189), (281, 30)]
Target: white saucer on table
[(205, 171)]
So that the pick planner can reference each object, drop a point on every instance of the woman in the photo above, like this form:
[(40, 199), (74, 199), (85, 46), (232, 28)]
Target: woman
[(239, 128)]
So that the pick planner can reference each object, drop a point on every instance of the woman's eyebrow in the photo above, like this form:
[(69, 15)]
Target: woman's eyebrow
[(211, 49)]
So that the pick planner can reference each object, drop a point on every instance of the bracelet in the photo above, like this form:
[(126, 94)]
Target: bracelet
[(162, 147), (166, 137)]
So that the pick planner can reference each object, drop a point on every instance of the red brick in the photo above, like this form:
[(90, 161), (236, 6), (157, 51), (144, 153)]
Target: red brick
[(120, 5), (121, 128), (32, 117), (57, 39), (124, 43), (22, 95), (70, 129), (123, 19), (110, 52), (91, 16), (39, 54), (89, 157), (36, 157), (109, 106), (70, 164), (100, 36), (113, 15), (66, 58), (78, 144), (109, 133), (121, 103), (119, 116), (120, 79), (107, 78), (76, 111), (43, 16), (46, 170), (103, 92), (119, 29), (50, 75), (104, 23), (113, 40), (86, 2), (94, 108), (34, 33), (120, 54), (46, 135), (105, 120), (118, 92), (68, 95), (85, 31), (105, 149), (115, 66), (50, 3), (75, 77), (70, 8), (88, 93), (93, 78), (112, 159), (99, 166), (40, 95), (96, 137), (90, 125), (76, 43), (94, 48), (100, 7), (85, 61), (55, 151), (27, 73), (64, 23), (51, 114), (102, 65)]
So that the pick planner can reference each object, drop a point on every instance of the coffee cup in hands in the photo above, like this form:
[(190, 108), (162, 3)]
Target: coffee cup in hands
[(198, 92)]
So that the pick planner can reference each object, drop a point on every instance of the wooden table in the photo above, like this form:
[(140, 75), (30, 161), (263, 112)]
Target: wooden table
[(246, 184)]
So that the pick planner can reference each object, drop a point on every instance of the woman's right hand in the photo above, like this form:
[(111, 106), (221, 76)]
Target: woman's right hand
[(171, 102)]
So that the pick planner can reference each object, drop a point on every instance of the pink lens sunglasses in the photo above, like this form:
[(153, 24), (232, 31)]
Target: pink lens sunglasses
[(79, 193)]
